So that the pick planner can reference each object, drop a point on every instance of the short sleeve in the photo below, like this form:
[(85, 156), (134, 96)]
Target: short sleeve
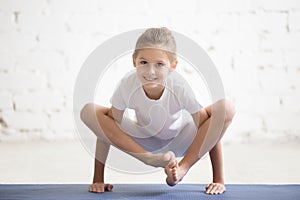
[(118, 100), (190, 103)]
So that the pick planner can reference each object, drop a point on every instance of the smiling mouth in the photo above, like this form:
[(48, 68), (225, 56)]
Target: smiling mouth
[(150, 79)]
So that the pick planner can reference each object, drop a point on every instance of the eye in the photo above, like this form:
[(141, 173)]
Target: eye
[(160, 64), (143, 62)]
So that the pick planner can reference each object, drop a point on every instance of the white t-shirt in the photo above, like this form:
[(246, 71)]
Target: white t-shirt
[(163, 118)]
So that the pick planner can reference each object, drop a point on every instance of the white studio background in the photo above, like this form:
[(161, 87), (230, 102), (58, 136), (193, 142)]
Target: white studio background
[(254, 44)]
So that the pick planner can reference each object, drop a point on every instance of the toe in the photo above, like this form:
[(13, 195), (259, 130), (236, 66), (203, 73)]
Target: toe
[(172, 164)]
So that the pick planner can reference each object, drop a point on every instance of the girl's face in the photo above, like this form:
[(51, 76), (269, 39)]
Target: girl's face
[(153, 67)]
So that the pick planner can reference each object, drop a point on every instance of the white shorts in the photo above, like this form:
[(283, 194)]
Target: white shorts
[(179, 144)]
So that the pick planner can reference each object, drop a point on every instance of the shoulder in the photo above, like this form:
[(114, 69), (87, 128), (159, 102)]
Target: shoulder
[(177, 81), (129, 80)]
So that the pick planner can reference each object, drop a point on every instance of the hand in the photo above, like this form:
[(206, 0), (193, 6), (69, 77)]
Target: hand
[(100, 187), (215, 188)]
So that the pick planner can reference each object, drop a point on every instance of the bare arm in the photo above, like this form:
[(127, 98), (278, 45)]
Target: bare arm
[(101, 155), (115, 114), (216, 158), (217, 185)]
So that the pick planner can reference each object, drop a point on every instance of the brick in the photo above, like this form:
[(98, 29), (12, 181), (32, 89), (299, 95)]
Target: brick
[(62, 125), (17, 42), (291, 59), (106, 85), (43, 61), (76, 59), (42, 23), (6, 101), (25, 120), (7, 22), (23, 6), (257, 103), (39, 100), (21, 81), (273, 81), (62, 80), (226, 21), (169, 8), (263, 22), (179, 23), (283, 122), (294, 24), (290, 101), (69, 101), (124, 7), (63, 42), (235, 41), (259, 60), (280, 41), (69, 6), (223, 62), (62, 121), (196, 81), (92, 23), (292, 81), (139, 20), (13, 135), (246, 123), (226, 6), (7, 61), (279, 5), (245, 76)]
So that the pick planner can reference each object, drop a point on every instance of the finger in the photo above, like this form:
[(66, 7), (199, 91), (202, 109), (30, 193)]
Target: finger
[(97, 187), (214, 189), (90, 189), (172, 164), (221, 189), (108, 187), (209, 188), (93, 189), (101, 189)]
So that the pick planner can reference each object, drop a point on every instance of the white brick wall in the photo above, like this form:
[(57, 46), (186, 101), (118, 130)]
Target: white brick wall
[(255, 45)]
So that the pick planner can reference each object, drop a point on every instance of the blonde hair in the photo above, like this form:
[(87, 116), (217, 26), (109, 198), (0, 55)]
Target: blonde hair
[(160, 38)]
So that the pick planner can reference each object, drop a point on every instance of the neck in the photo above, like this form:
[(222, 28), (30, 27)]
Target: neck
[(154, 93)]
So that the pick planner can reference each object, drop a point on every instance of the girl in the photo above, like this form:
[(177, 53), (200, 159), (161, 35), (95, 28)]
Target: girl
[(169, 122)]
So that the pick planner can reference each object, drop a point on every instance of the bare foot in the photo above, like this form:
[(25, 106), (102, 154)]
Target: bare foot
[(215, 188), (100, 187), (159, 159), (175, 173)]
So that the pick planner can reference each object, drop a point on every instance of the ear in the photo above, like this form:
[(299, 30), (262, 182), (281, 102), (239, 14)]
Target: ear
[(173, 65), (133, 61)]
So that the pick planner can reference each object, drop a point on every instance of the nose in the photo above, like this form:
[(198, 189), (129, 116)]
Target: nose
[(152, 69)]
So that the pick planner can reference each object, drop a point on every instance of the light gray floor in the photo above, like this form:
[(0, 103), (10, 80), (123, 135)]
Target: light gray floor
[(68, 162)]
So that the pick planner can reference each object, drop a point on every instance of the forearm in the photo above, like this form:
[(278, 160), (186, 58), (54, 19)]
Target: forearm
[(98, 172), (216, 158), (101, 154)]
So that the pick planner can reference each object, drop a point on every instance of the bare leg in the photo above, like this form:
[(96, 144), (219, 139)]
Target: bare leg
[(98, 185), (101, 121), (207, 137)]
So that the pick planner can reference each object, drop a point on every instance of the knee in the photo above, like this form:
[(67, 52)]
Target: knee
[(224, 108), (229, 110), (86, 112)]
